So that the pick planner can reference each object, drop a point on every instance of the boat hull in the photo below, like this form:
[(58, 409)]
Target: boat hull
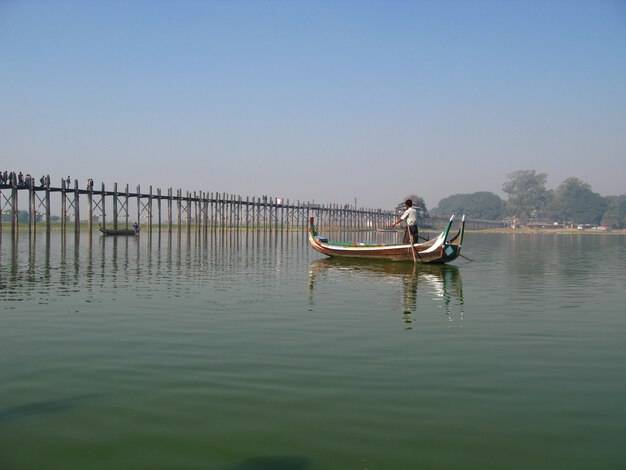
[(122, 231)]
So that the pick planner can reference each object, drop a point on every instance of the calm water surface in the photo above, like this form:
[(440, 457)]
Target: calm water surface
[(251, 351)]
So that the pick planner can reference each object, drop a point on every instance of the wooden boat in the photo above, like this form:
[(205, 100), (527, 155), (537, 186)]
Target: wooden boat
[(436, 250), (119, 231)]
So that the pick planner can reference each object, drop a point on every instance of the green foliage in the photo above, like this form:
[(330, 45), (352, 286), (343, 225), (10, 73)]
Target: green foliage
[(575, 202), (615, 213), (572, 202), (22, 217), (528, 196), (480, 205)]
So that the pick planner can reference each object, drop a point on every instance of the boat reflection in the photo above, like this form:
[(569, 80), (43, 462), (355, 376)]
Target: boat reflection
[(436, 283)]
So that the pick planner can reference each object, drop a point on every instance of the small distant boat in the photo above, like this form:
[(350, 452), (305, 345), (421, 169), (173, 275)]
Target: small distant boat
[(119, 231), (433, 251)]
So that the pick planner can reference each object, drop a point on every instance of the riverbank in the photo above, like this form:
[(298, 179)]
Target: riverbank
[(545, 231)]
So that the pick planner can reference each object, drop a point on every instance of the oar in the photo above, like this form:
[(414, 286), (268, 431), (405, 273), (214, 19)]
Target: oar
[(413, 252), (413, 246)]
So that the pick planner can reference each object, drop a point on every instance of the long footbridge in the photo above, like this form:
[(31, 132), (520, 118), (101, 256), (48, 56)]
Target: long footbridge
[(83, 209)]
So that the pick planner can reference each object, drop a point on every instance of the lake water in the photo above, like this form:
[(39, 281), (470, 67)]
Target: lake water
[(252, 351)]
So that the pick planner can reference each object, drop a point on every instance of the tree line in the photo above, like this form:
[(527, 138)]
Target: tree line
[(23, 217), (573, 202)]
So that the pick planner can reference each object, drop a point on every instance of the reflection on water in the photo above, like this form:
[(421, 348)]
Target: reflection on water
[(433, 283), (98, 268), (274, 462), (44, 407)]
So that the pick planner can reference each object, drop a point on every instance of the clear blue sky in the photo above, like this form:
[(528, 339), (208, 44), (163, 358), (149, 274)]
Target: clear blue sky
[(318, 100)]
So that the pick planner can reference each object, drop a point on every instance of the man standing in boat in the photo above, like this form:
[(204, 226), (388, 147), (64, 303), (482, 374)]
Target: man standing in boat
[(410, 215)]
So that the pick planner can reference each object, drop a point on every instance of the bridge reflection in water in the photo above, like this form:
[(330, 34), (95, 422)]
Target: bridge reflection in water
[(436, 283)]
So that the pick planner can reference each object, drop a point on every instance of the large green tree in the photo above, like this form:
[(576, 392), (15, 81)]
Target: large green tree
[(615, 213), (479, 205), (418, 203), (575, 202), (527, 194)]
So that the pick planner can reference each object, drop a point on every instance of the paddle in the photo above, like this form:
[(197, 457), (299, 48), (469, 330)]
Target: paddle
[(412, 246)]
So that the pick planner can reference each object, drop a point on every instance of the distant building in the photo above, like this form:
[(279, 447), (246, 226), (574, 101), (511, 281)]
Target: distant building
[(546, 224)]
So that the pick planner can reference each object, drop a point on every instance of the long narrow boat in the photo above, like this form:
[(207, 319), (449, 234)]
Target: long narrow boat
[(436, 250), (119, 231)]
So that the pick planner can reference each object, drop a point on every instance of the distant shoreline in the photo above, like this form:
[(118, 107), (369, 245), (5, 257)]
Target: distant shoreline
[(550, 231)]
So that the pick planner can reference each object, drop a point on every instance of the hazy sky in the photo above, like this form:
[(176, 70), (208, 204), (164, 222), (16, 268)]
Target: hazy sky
[(317, 100)]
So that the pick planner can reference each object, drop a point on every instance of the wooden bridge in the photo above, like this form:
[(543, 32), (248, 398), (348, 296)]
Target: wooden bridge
[(200, 211), (155, 210)]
